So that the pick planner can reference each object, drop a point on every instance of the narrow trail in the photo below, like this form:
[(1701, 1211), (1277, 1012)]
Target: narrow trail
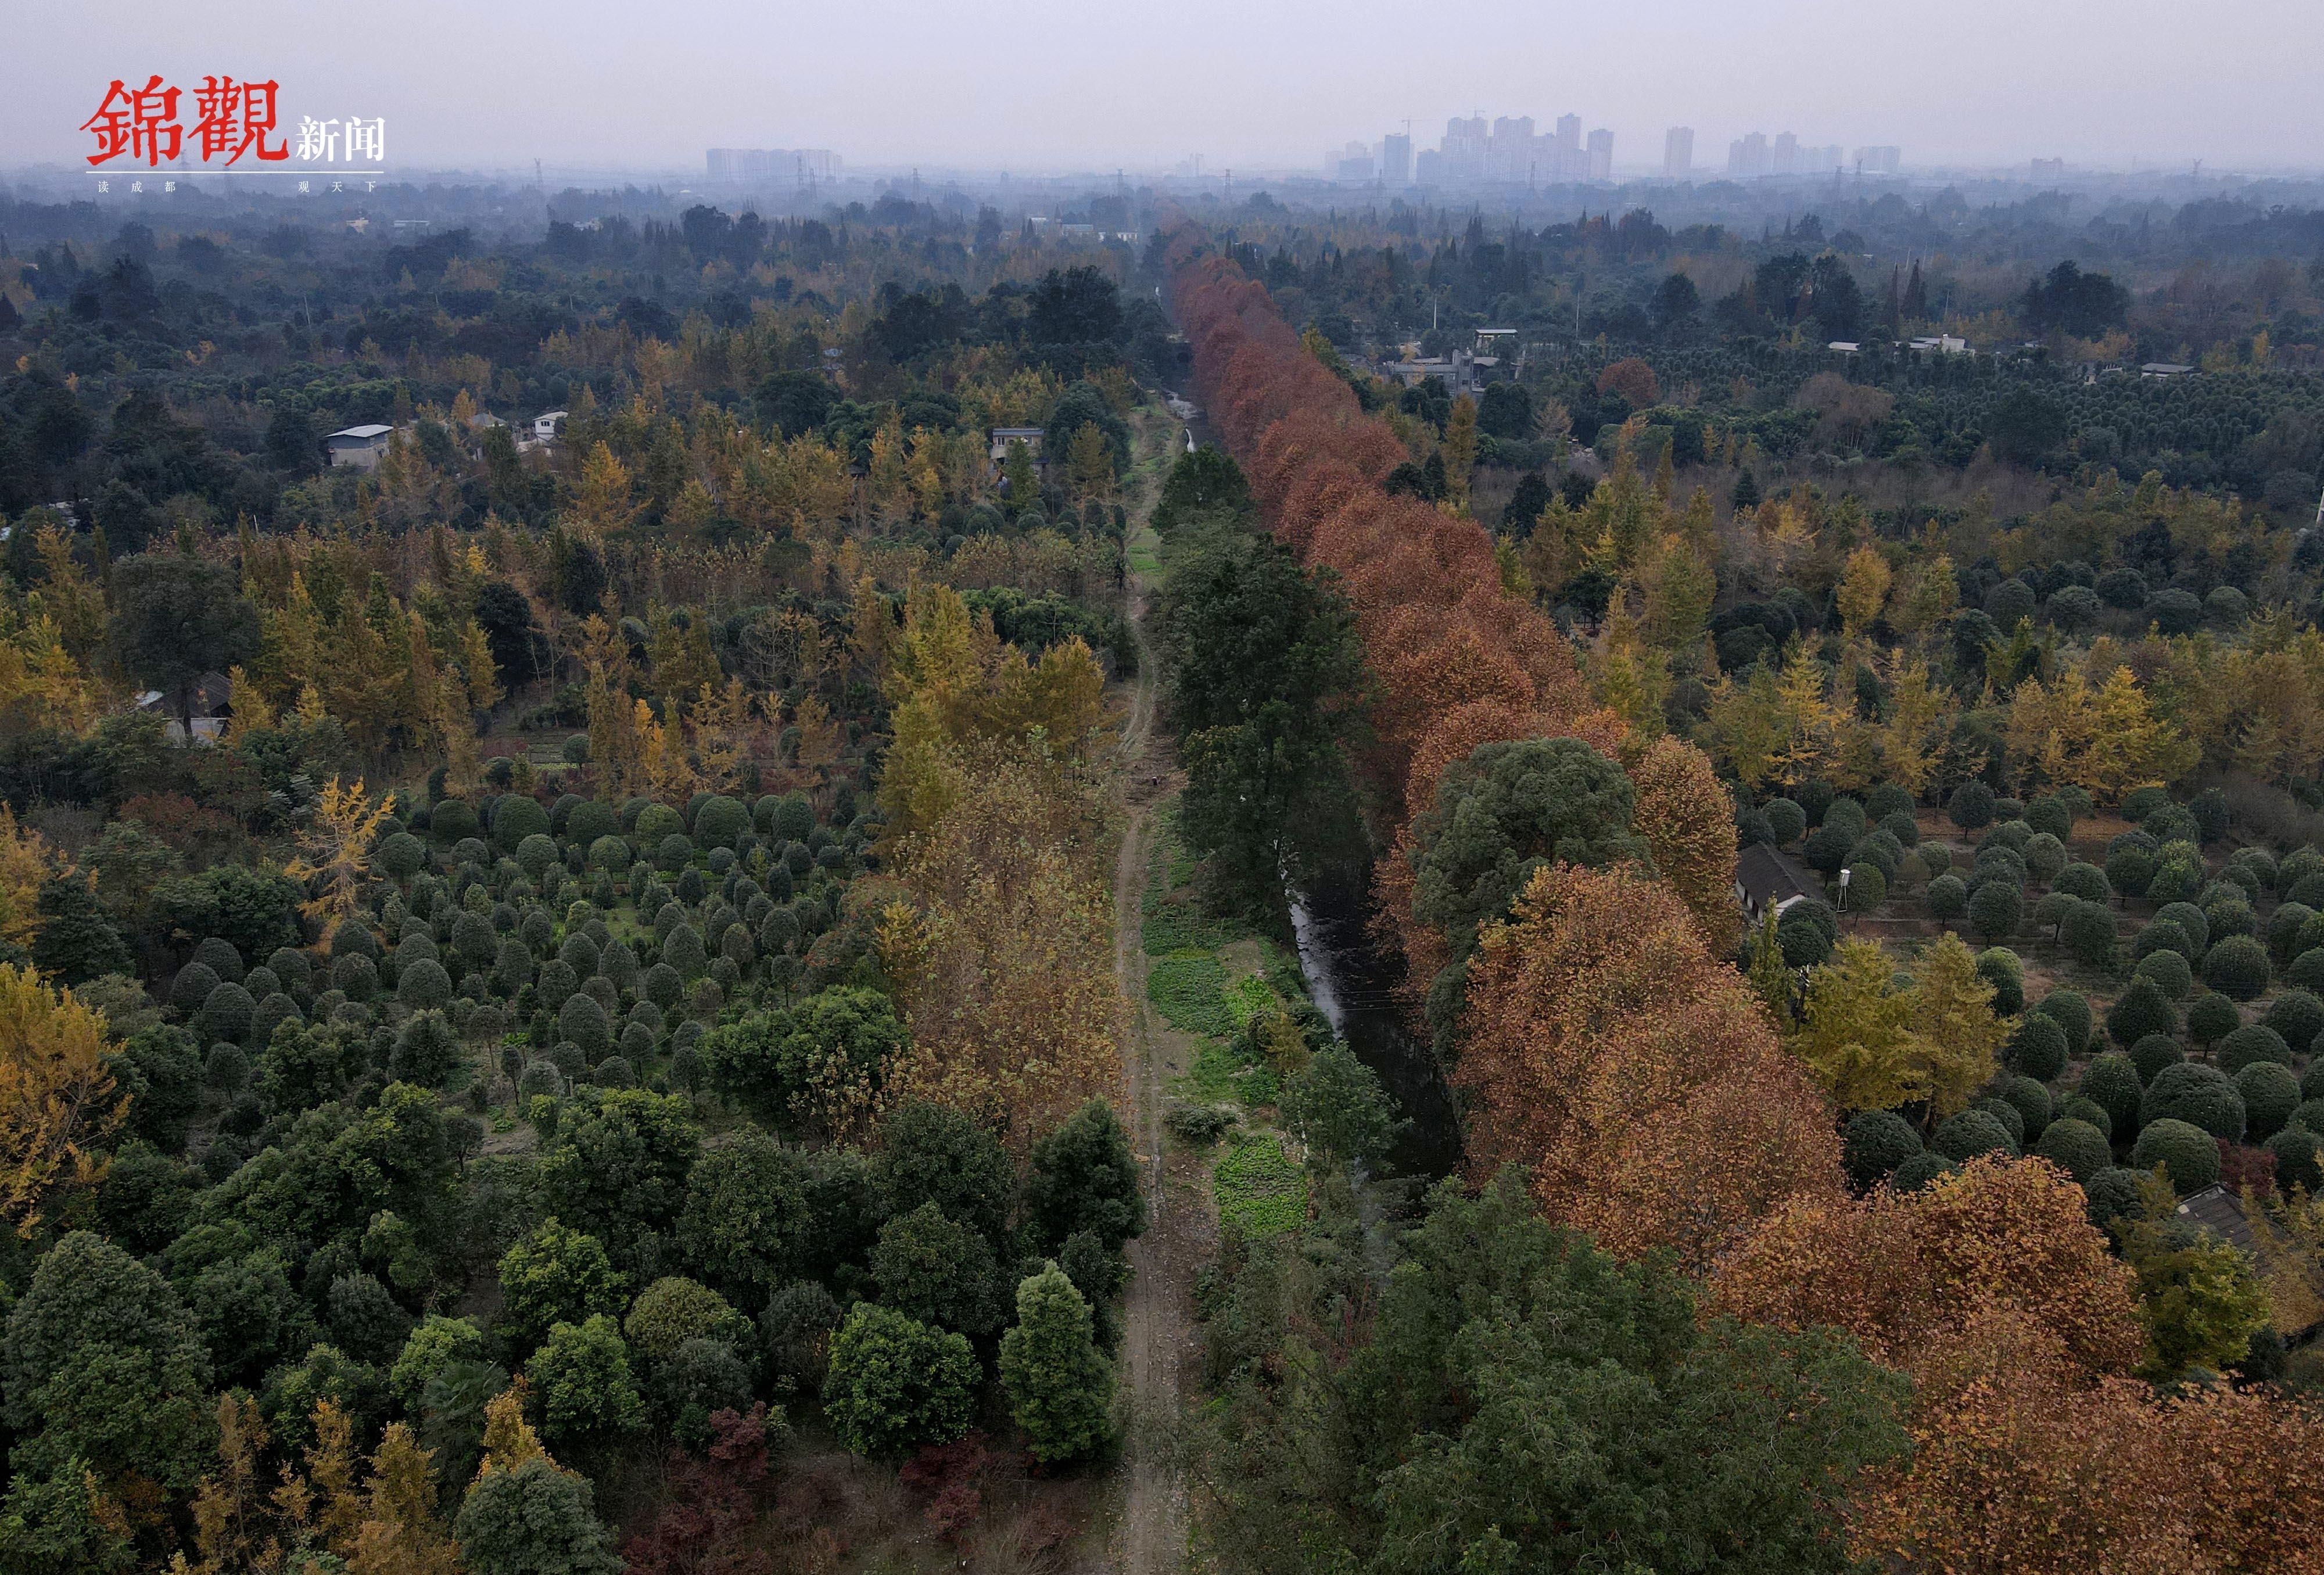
[(1157, 1324)]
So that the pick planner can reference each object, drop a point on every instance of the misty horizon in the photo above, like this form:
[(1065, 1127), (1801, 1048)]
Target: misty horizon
[(1035, 89)]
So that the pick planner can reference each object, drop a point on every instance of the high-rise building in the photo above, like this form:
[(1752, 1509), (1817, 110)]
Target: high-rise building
[(772, 166), (1784, 157), (1879, 161), (1396, 159), (1678, 152), (1748, 156), (1465, 143), (1601, 154), (2049, 169), (1568, 132)]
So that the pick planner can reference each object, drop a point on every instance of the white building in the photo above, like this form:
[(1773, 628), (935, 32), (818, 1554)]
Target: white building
[(360, 447)]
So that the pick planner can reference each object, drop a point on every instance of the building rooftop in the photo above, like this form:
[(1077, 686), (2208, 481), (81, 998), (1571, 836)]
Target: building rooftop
[(370, 431)]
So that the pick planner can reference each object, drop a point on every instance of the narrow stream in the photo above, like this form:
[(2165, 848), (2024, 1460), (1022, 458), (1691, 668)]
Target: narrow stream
[(1354, 987)]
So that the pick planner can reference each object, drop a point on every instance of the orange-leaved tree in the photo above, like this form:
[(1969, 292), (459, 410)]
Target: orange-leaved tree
[(1633, 1075)]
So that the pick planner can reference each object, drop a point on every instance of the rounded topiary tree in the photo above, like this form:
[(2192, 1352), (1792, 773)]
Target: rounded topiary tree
[(2237, 967), (2088, 932), (1948, 898), (2038, 1046), (516, 817), (2012, 1119), (2187, 1154), (2152, 1053), (2254, 1042), (2070, 1010), (423, 984), (1786, 821), (2142, 1009), (227, 1014), (1972, 1132), (2087, 882), (2269, 1095), (2170, 972), (1971, 805), (2212, 1017), (583, 1022), (2112, 1083), (2298, 1151), (719, 822), (1919, 1170), (452, 819), (2201, 1096), (591, 819), (401, 856), (1875, 1144), (2113, 1195), (2032, 1102), (2298, 1017), (2075, 1146), (2082, 1109), (1996, 909)]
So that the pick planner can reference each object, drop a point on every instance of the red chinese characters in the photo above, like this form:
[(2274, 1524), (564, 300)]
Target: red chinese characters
[(232, 117)]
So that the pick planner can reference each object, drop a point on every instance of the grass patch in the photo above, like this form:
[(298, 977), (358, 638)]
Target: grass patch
[(1259, 1189), (1190, 990), (1248, 997)]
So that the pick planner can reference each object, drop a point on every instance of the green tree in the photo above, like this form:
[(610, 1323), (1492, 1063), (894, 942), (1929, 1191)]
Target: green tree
[(1060, 1387), (930, 1154), (1266, 684), (895, 1383), (2200, 1297), (938, 1272), (1336, 1106), (745, 1216), (1083, 1176), (556, 1275), (177, 617), (533, 1519), (105, 1370), (582, 1374), (674, 1310), (764, 1059), (1520, 1400), (1506, 811), (618, 1162)]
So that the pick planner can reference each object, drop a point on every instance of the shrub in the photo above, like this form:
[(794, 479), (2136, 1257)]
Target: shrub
[(2237, 967), (2012, 1119), (2254, 1042), (2154, 1053), (2088, 932), (2298, 1151), (1867, 888), (1996, 909), (2082, 1109), (1999, 967), (1971, 805), (674, 1310), (2031, 1100), (895, 1383), (2299, 1017), (515, 818), (2185, 1152), (1971, 1133), (2113, 1193), (2076, 1148), (2201, 1096), (424, 984), (2113, 1084), (2141, 1009), (1919, 1170), (2087, 882), (2038, 1046), (2212, 1018), (2269, 1095), (2070, 1010), (2170, 972), (1876, 1143)]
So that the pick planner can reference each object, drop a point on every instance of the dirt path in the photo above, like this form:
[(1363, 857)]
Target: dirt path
[(1159, 1324)]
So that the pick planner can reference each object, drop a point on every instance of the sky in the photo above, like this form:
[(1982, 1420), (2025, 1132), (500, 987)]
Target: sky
[(1057, 85)]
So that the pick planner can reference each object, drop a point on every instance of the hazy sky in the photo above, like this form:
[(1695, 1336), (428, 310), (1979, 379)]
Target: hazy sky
[(1033, 85)]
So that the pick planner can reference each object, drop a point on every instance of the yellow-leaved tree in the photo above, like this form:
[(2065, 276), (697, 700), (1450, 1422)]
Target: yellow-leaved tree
[(1875, 1045), (335, 851), (58, 1100)]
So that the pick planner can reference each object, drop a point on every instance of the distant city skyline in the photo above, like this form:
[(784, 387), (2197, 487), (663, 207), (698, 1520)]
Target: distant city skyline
[(1036, 86)]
